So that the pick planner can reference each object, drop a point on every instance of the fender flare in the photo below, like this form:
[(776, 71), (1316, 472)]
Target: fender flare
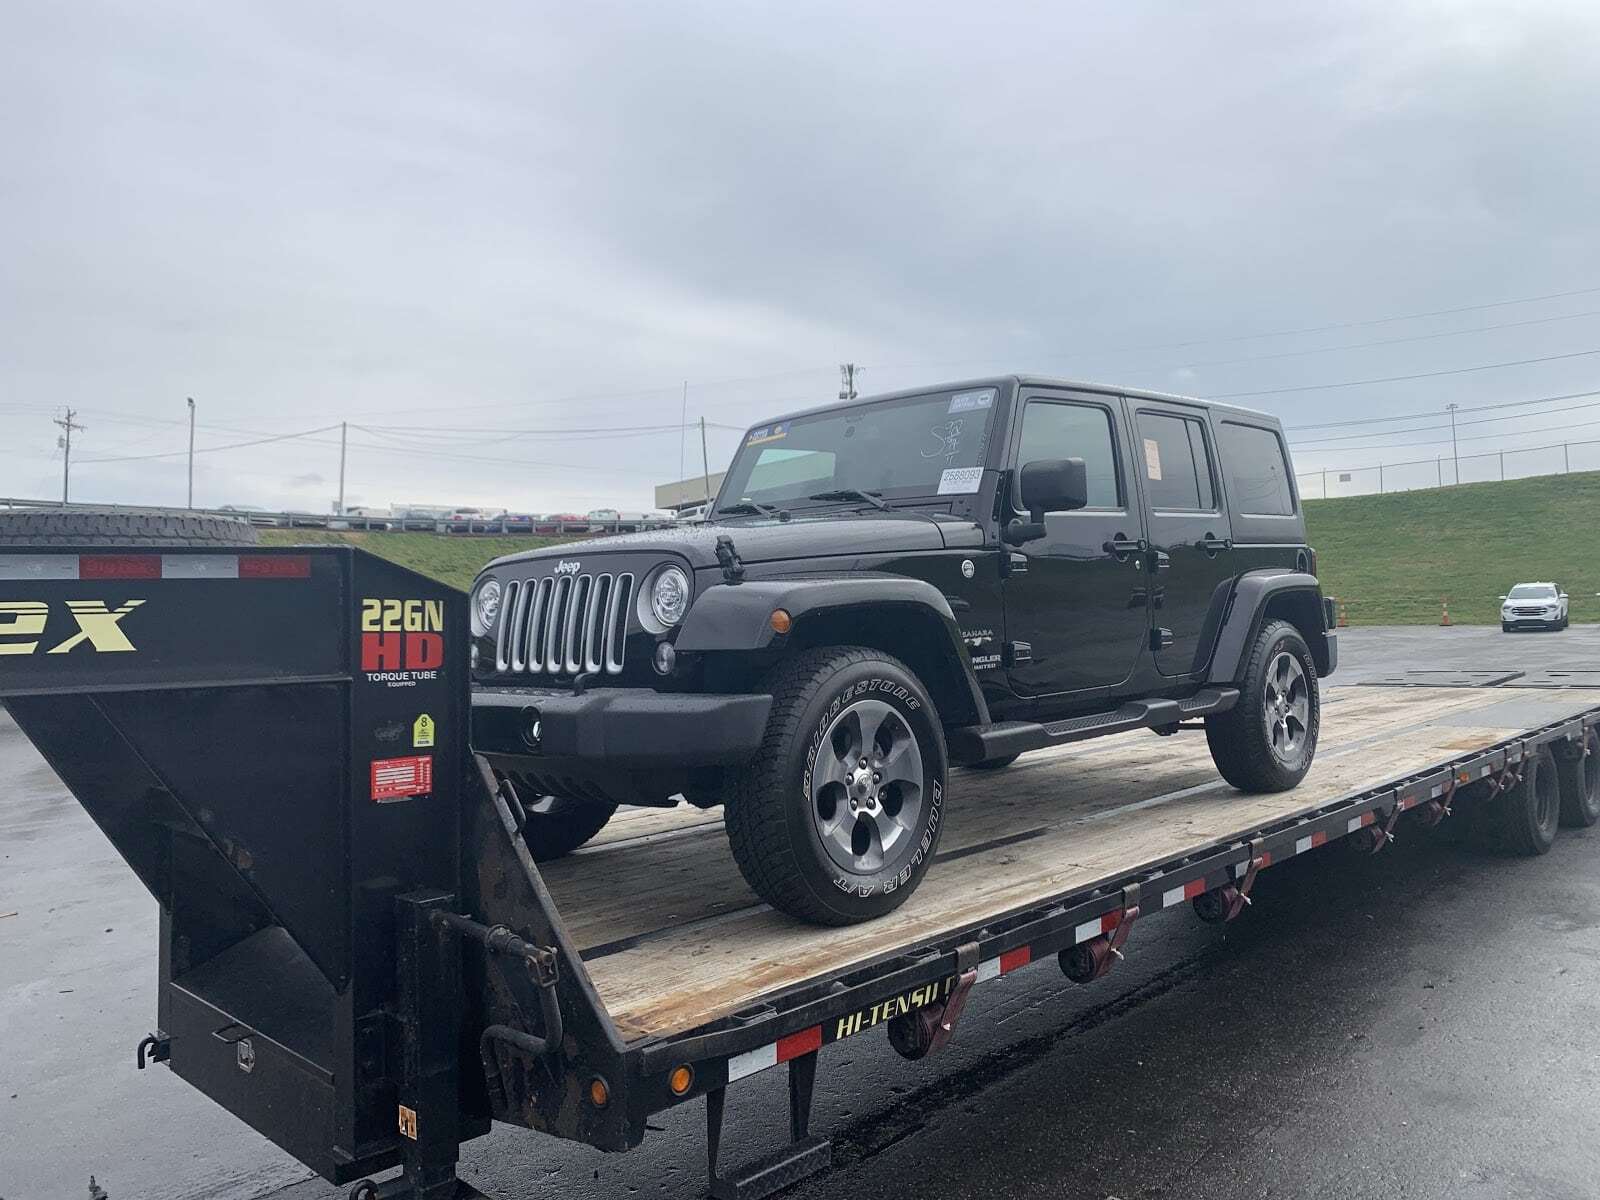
[(1246, 612), (737, 617)]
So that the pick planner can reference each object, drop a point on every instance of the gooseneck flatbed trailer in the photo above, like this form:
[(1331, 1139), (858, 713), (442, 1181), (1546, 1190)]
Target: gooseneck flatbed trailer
[(361, 960)]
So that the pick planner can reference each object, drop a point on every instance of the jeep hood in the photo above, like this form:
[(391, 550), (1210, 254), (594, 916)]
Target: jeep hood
[(767, 539)]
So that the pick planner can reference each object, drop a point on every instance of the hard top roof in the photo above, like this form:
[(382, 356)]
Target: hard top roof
[(1045, 381)]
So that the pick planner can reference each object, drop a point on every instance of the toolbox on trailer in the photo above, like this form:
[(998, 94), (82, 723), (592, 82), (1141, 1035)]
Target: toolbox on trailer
[(360, 958)]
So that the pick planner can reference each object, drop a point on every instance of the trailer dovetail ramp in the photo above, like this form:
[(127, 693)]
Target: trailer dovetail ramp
[(360, 958)]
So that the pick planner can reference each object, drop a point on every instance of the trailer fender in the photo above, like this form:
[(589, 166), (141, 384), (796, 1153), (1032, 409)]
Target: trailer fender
[(1259, 595), (909, 618)]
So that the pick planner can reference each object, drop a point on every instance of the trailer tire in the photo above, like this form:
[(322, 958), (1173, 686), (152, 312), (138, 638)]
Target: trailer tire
[(67, 527), (826, 840), (558, 825), (1578, 768), (1528, 813), (1259, 745)]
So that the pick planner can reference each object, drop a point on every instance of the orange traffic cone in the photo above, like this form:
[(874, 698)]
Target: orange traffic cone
[(1344, 617), (1445, 618)]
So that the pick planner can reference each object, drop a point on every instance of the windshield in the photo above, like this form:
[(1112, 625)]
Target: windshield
[(1532, 591), (931, 445)]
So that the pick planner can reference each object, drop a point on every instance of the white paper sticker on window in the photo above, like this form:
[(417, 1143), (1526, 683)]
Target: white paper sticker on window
[(1152, 458), (960, 481), (967, 401)]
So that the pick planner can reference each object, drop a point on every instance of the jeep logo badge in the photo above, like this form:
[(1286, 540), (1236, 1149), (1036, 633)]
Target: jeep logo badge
[(567, 566)]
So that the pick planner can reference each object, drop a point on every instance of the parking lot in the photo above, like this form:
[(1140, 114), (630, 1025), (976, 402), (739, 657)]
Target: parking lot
[(1416, 1024)]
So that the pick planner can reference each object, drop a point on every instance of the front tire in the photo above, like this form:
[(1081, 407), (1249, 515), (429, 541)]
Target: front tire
[(839, 815), (1267, 741), (558, 825)]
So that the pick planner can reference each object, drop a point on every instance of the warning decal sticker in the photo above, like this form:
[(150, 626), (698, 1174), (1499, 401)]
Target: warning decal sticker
[(397, 778)]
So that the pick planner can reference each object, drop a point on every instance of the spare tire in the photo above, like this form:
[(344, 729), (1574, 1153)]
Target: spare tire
[(62, 528)]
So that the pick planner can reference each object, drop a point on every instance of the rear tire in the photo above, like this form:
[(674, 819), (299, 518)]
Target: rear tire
[(1578, 769), (1267, 741), (91, 527), (838, 816), (994, 764), (1528, 814)]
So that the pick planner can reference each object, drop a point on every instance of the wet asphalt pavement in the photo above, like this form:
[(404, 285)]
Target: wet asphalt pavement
[(1425, 1023)]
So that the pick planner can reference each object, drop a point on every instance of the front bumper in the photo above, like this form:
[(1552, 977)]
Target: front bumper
[(623, 728)]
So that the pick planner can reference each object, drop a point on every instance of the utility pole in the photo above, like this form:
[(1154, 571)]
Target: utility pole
[(1455, 452), (68, 424), (1566, 458), (344, 429), (1324, 483), (683, 427), (705, 458), (847, 380), (191, 451), (1380, 479)]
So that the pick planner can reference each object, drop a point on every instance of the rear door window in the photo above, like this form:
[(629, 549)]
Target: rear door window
[(1176, 463), (1258, 470)]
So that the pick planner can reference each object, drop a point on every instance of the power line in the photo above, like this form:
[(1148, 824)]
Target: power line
[(282, 437), (1352, 437), (1425, 415), (1322, 387)]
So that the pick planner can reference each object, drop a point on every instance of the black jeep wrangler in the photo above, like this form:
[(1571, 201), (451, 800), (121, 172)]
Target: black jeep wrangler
[(952, 575)]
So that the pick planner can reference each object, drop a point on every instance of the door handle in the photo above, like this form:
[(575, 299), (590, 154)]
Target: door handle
[(1121, 545), (1211, 544)]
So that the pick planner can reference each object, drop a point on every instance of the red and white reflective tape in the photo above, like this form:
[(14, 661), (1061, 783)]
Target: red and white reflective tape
[(1354, 823), (1101, 924), (770, 1055), (993, 968), (154, 566), (1178, 895)]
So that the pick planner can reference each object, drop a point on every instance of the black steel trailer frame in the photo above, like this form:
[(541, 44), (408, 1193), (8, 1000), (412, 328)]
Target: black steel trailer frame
[(445, 984)]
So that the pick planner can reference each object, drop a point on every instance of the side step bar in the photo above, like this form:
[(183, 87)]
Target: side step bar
[(976, 743)]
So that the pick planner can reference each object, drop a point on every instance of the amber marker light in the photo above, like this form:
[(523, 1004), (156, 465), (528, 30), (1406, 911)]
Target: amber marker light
[(599, 1093), (782, 622), (681, 1080)]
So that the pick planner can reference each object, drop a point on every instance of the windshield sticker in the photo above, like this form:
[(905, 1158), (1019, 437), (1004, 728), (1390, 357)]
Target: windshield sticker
[(967, 401), (1152, 458), (946, 442), (768, 433), (960, 481)]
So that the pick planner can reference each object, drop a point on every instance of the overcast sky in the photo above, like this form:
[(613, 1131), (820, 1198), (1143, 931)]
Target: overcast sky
[(446, 224)]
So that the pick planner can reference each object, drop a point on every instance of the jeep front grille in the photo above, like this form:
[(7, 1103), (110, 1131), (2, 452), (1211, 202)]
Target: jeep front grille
[(564, 624)]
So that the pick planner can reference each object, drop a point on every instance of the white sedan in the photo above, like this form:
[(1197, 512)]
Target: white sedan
[(1533, 606)]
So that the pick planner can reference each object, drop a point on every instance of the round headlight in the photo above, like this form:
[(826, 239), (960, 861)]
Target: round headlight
[(486, 604), (669, 596)]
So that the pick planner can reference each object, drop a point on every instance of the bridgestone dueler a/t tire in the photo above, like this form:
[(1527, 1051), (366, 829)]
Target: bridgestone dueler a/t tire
[(1525, 818), (769, 809), (1579, 773), (1238, 738), (65, 528)]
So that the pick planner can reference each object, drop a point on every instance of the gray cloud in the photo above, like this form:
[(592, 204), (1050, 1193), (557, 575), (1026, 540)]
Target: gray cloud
[(552, 217)]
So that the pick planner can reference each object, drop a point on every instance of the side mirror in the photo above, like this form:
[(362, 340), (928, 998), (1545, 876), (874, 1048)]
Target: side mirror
[(1054, 485), (1049, 485), (1564, 596), (1505, 597)]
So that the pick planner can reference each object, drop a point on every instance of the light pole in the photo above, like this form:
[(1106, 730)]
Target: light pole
[(191, 451)]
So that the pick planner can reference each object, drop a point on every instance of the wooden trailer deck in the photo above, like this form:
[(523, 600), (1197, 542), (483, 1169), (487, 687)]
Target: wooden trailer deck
[(673, 938)]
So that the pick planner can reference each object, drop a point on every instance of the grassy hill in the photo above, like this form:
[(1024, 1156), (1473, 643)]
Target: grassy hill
[(455, 560), (1391, 559)]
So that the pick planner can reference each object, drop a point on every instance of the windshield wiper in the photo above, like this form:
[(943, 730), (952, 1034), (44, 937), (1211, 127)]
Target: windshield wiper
[(749, 506), (851, 494)]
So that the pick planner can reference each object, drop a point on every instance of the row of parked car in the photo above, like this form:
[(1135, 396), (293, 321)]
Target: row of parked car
[(469, 520)]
